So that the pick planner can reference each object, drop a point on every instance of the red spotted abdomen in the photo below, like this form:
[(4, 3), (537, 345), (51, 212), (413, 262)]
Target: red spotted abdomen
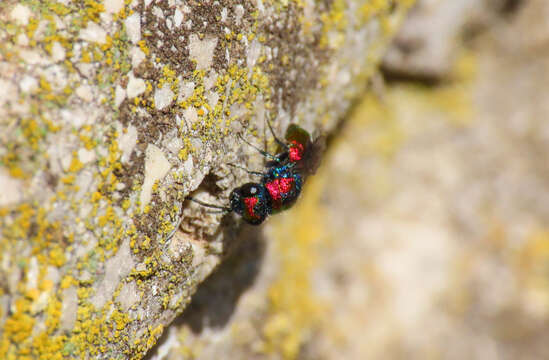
[(283, 191)]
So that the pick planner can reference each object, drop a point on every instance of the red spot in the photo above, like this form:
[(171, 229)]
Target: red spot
[(250, 203), (285, 185), (272, 188), (296, 151), (277, 188)]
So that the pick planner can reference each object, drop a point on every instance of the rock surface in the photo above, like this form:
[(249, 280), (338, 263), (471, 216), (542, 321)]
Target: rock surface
[(424, 235), (112, 112)]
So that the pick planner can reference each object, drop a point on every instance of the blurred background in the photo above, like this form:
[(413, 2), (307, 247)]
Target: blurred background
[(425, 233)]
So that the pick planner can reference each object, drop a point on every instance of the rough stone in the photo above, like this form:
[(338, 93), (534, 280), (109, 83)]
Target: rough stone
[(21, 14), (105, 158), (11, 189), (202, 50), (93, 33), (69, 308), (133, 27), (136, 87), (156, 167), (163, 97), (116, 268)]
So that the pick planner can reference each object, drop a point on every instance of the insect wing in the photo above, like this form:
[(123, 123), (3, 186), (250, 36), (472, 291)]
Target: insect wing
[(299, 142), (312, 158)]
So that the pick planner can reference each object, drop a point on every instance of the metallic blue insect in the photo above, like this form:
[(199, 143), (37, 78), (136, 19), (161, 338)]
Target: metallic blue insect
[(282, 181)]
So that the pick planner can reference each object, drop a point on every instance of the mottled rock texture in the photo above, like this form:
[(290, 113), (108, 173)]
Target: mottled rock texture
[(425, 233), (112, 112)]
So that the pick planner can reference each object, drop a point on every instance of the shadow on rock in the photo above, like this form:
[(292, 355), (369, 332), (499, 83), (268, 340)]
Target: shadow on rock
[(216, 298)]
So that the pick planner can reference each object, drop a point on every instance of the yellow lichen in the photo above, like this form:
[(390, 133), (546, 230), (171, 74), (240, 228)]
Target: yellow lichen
[(294, 310), (96, 329), (143, 46)]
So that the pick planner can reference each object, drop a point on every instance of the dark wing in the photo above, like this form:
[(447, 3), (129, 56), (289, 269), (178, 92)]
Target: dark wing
[(313, 156)]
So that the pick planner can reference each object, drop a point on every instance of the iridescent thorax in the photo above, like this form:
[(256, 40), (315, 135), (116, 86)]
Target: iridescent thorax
[(282, 180), (283, 185)]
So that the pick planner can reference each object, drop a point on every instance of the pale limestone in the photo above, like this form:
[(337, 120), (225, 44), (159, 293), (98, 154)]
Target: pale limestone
[(33, 57), (32, 274), (210, 80), (254, 51), (202, 50), (173, 144), (21, 14), (177, 18), (68, 308), (8, 93), (113, 6), (94, 33), (127, 142), (128, 295), (84, 92), (133, 27), (224, 13), (158, 12), (22, 40), (116, 268), (188, 165), (239, 13), (186, 90), (119, 95), (75, 117), (137, 56), (163, 97), (156, 167), (136, 87), (11, 192), (213, 98), (190, 115), (86, 156), (57, 52), (40, 303)]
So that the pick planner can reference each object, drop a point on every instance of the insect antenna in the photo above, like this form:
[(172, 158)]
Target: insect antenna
[(278, 141), (212, 206), (246, 170), (264, 153)]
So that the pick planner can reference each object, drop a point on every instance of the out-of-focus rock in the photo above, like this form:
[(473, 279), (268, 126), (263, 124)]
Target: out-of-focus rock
[(424, 234), (112, 112), (427, 45)]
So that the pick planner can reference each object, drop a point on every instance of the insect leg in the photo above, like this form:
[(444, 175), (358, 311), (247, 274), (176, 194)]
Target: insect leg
[(212, 206), (264, 153), (246, 170), (278, 141)]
